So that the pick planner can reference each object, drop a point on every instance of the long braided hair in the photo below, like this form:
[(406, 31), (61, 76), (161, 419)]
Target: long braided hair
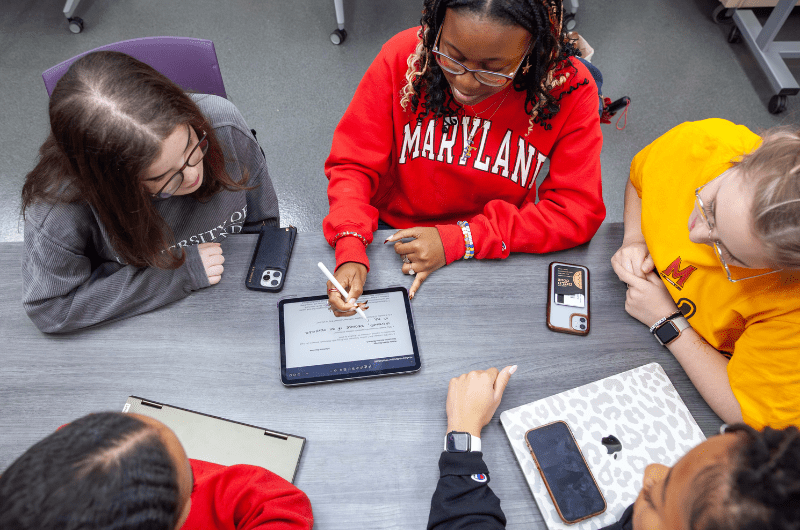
[(548, 58), (761, 492), (107, 471)]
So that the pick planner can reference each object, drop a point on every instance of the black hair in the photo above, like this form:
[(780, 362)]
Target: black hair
[(760, 492), (106, 471), (549, 54)]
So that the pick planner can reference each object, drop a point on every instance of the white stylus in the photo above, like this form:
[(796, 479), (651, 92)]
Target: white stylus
[(338, 286)]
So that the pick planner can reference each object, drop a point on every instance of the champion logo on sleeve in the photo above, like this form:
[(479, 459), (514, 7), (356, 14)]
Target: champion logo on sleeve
[(480, 477)]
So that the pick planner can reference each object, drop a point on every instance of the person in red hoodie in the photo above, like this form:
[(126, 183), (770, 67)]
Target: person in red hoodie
[(447, 133), (113, 470)]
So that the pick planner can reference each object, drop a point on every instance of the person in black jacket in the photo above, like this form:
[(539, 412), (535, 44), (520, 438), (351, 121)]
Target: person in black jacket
[(463, 498), (742, 478)]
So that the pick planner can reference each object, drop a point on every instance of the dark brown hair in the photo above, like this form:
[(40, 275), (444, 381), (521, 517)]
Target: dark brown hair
[(109, 116), (756, 488), (106, 471)]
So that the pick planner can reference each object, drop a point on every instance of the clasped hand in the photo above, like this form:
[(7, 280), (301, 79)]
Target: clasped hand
[(648, 299)]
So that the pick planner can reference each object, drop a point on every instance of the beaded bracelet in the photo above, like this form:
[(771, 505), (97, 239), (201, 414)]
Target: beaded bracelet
[(470, 247), (340, 235)]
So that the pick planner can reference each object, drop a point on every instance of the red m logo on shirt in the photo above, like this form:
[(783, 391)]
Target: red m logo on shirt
[(678, 275)]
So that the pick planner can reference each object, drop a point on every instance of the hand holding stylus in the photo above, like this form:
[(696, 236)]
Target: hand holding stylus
[(341, 289)]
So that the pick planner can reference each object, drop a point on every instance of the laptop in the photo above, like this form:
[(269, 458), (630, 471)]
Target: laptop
[(225, 442), (639, 408)]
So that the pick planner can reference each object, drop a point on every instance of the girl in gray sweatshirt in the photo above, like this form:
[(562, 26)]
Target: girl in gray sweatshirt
[(136, 185)]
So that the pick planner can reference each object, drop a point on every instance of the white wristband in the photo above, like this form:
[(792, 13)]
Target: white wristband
[(474, 443)]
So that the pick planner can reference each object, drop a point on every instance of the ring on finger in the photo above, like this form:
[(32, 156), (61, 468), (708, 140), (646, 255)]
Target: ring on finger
[(405, 259), (334, 290), (411, 271)]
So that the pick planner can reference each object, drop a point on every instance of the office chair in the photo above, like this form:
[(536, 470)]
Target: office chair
[(191, 63)]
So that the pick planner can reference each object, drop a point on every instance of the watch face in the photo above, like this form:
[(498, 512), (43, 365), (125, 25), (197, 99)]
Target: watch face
[(458, 442), (667, 332)]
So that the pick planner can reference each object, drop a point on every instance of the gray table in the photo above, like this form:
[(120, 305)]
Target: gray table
[(373, 445)]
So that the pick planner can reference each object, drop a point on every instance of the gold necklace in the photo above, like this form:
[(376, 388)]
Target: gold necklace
[(466, 154)]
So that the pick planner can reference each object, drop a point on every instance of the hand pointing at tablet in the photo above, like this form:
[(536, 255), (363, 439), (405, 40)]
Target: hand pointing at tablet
[(421, 256)]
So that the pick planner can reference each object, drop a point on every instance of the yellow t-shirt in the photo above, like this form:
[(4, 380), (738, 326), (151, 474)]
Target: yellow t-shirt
[(758, 320)]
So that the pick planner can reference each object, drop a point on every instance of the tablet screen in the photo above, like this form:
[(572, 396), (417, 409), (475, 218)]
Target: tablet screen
[(316, 346)]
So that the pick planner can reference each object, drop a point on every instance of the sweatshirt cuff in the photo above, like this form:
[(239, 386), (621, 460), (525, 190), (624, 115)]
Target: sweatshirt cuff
[(462, 464), (453, 242), (350, 248), (198, 278)]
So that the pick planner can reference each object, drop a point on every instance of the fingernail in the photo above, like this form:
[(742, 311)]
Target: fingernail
[(410, 296), (387, 240), (513, 369)]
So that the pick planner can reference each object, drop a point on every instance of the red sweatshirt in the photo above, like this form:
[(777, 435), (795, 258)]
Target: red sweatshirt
[(245, 497), (382, 161)]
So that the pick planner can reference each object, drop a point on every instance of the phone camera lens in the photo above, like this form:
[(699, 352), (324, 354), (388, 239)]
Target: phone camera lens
[(583, 320), (276, 274), (583, 326), (274, 283)]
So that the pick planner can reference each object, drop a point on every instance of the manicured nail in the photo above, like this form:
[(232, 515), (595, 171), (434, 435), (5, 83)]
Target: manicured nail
[(387, 240), (513, 369), (410, 296)]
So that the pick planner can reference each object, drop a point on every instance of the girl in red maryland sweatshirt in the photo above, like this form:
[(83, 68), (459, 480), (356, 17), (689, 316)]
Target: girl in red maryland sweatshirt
[(452, 156)]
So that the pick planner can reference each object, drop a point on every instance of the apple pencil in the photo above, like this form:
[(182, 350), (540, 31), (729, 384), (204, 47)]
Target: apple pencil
[(338, 286)]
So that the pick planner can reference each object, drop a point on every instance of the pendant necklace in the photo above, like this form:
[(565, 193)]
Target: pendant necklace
[(466, 154)]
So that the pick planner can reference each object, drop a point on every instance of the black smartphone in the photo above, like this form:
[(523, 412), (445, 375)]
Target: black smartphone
[(565, 473), (270, 261), (568, 298)]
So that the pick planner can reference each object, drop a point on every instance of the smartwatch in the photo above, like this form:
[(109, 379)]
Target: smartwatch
[(461, 442), (669, 328)]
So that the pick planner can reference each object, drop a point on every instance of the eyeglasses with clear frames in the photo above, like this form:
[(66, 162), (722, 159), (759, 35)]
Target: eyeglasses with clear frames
[(710, 224), (194, 158), (493, 79)]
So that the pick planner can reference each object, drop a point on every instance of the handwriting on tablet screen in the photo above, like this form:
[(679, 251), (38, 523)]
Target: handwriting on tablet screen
[(315, 336)]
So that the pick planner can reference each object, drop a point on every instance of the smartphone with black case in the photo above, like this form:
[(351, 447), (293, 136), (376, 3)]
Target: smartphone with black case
[(568, 298), (270, 261), (566, 475)]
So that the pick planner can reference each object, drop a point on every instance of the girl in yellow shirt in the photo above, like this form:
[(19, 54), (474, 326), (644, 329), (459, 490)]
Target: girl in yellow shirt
[(712, 230)]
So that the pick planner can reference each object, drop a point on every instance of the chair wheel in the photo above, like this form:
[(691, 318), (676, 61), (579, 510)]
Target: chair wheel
[(569, 21), (777, 104), (721, 14), (75, 24), (338, 36), (735, 35)]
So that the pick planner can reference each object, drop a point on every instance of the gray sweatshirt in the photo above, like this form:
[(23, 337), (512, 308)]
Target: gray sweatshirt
[(71, 276)]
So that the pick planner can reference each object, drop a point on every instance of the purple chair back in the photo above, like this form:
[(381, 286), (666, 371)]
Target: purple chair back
[(190, 63)]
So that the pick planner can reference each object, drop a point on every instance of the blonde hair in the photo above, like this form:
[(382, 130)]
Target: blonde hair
[(775, 166), (415, 70)]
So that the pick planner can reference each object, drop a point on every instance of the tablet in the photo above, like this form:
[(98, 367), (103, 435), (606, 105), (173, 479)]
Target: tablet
[(317, 347)]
